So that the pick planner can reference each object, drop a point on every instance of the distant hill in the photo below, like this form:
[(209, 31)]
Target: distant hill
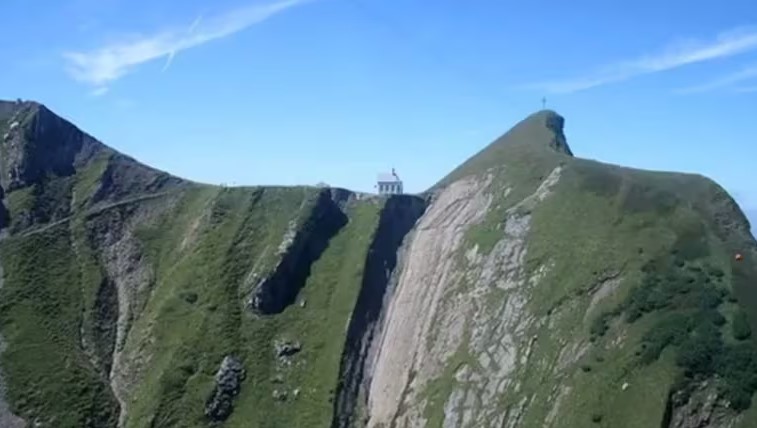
[(527, 288)]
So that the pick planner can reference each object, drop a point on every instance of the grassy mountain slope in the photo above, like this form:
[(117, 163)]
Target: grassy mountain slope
[(589, 291), (131, 286), (530, 288)]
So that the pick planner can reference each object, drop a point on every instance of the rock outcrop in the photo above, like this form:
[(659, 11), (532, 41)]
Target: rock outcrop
[(286, 348), (442, 310), (699, 406), (40, 143), (229, 380), (4, 214)]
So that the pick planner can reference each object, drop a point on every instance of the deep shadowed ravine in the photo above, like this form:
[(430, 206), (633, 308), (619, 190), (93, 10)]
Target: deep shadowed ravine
[(398, 217)]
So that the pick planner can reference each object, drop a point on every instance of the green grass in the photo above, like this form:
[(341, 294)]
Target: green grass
[(43, 202), (203, 252), (240, 231), (740, 328), (527, 168), (192, 338), (601, 240), (330, 293), (19, 201), (88, 179), (619, 220), (683, 309), (604, 238), (528, 136), (684, 294), (48, 375)]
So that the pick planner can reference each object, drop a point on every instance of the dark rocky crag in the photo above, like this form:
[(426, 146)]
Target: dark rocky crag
[(39, 143), (229, 380)]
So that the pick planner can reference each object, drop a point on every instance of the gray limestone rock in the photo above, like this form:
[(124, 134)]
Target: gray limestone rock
[(286, 348), (228, 382)]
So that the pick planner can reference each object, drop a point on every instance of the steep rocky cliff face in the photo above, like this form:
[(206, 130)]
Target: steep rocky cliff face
[(529, 288), (377, 287)]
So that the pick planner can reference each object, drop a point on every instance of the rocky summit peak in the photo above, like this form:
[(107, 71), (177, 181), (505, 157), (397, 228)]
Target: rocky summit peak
[(36, 142), (554, 123), (538, 135)]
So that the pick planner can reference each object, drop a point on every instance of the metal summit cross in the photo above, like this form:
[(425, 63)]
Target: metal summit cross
[(543, 103)]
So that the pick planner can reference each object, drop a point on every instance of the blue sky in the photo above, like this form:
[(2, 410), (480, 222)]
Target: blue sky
[(296, 92)]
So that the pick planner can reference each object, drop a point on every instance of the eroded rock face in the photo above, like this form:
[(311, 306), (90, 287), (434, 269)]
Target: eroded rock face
[(556, 123), (4, 214), (700, 407), (398, 217), (42, 143), (228, 383), (287, 348), (128, 278), (427, 272), (443, 309)]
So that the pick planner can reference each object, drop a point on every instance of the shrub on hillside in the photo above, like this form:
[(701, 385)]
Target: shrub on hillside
[(698, 353), (737, 365), (740, 325), (685, 296)]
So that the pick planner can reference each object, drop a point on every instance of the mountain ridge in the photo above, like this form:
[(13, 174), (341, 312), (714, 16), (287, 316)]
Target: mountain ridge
[(527, 288)]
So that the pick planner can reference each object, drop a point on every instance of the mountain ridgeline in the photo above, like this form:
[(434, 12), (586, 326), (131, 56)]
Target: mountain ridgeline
[(528, 288)]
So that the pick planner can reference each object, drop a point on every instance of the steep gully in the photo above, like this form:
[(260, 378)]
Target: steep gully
[(127, 277), (397, 219), (279, 290)]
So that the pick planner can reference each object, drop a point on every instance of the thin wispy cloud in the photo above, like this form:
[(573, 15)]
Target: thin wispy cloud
[(195, 24), (106, 64), (730, 80), (675, 55), (172, 54), (99, 91), (169, 60)]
